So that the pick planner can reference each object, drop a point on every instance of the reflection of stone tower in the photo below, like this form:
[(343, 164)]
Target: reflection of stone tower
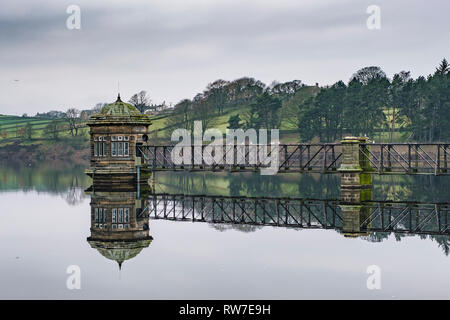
[(117, 132), (119, 228)]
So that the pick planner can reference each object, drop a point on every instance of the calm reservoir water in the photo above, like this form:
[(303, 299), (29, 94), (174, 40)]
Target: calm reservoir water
[(46, 219)]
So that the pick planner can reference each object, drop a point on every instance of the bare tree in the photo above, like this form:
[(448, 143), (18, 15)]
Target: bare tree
[(203, 112), (182, 115), (72, 118), (140, 100), (98, 107), (21, 132), (28, 130), (366, 74), (3, 133), (52, 130)]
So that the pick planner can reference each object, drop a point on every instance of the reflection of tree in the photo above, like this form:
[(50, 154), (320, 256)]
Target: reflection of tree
[(75, 194), (306, 185), (236, 185), (187, 183), (322, 186), (257, 184), (55, 177), (238, 227), (399, 236), (294, 185), (443, 241), (376, 236), (415, 188), (251, 184)]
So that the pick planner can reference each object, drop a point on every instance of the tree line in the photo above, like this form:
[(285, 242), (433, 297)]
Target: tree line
[(368, 104), (372, 103), (262, 102)]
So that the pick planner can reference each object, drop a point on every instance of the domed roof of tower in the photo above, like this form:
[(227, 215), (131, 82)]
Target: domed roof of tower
[(120, 251), (119, 112), (119, 108)]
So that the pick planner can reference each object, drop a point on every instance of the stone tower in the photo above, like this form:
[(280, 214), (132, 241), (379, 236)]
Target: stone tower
[(116, 134)]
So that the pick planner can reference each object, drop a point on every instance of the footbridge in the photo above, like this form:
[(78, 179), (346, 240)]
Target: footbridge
[(351, 154)]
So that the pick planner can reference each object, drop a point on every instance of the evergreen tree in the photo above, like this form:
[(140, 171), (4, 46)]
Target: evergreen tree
[(264, 112), (233, 122)]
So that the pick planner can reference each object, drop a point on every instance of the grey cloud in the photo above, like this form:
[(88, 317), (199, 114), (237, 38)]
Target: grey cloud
[(174, 48)]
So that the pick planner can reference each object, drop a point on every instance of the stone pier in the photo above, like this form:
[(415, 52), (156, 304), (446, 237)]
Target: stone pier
[(356, 184)]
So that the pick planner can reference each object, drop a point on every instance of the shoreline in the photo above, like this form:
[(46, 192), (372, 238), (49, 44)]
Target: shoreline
[(37, 152)]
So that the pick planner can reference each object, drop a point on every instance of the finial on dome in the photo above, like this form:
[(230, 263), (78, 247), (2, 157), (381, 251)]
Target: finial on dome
[(118, 92), (120, 269)]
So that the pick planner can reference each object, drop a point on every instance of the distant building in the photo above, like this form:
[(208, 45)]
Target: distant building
[(51, 114), (155, 109)]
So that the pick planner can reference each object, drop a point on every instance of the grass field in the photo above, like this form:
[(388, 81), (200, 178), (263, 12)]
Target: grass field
[(10, 123), (12, 129)]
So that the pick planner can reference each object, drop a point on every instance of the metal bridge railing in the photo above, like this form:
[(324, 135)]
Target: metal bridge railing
[(406, 158), (409, 158), (291, 157)]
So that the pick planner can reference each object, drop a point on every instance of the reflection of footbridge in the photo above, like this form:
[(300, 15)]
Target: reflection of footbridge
[(351, 218), (120, 218)]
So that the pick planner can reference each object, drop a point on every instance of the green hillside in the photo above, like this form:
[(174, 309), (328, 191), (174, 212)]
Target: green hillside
[(31, 130)]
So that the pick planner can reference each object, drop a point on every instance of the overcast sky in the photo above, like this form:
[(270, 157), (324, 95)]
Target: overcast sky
[(174, 48)]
